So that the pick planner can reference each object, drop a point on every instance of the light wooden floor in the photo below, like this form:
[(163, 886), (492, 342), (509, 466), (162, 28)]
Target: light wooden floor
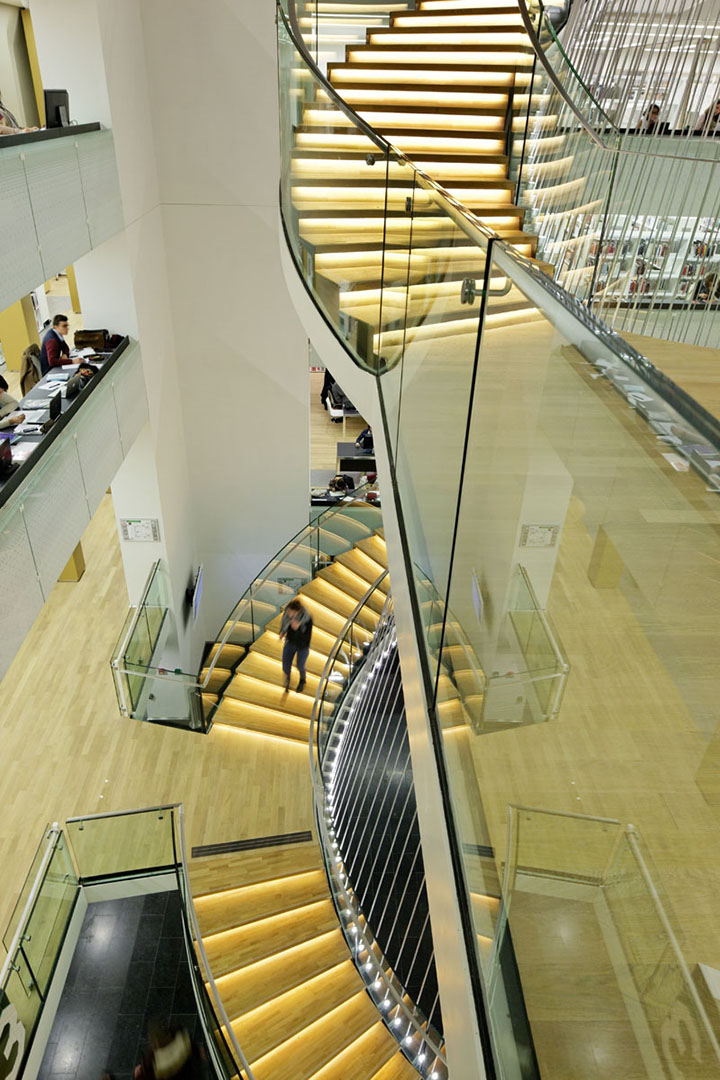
[(68, 751), (324, 435), (692, 367)]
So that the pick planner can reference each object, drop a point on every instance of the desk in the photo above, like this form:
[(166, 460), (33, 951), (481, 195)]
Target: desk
[(319, 480), (350, 459), (28, 450)]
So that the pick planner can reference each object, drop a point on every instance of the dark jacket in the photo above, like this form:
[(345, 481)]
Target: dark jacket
[(54, 351), (30, 373), (300, 638)]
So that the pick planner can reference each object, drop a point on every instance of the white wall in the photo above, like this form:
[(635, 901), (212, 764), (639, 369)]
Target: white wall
[(191, 96), (66, 35), (16, 86)]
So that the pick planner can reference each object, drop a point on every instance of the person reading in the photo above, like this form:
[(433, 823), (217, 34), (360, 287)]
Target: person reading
[(55, 351)]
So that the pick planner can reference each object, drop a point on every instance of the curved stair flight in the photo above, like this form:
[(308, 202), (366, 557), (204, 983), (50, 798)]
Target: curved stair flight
[(294, 997), (250, 680), (442, 84)]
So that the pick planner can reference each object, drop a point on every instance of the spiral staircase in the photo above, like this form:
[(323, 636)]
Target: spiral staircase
[(446, 84), (441, 84)]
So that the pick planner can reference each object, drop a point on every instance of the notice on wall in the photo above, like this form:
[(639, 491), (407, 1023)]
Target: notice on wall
[(539, 536), (140, 530)]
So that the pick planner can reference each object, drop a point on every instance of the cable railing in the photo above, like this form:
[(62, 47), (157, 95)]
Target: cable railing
[(351, 662), (628, 218), (520, 430)]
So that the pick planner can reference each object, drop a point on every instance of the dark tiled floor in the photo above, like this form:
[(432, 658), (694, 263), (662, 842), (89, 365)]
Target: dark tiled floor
[(129, 967)]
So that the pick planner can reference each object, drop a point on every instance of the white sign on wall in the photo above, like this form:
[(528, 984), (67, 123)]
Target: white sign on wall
[(539, 536), (140, 529)]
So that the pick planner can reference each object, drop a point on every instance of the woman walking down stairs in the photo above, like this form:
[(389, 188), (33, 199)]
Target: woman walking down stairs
[(252, 681)]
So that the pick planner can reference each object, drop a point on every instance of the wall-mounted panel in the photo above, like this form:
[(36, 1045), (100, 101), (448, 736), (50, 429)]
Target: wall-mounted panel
[(101, 186), (130, 400), (22, 596), (58, 204), (20, 265), (55, 511), (59, 198), (98, 445)]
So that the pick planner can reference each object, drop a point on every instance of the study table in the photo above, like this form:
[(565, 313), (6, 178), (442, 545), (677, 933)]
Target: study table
[(352, 459), (28, 450)]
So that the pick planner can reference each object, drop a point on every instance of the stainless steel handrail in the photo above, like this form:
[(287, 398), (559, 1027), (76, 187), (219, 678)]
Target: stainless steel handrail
[(52, 838), (189, 908), (183, 678), (202, 955), (371, 947)]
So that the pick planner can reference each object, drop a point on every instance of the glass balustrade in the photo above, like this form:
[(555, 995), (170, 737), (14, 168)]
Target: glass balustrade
[(102, 848), (557, 505), (33, 940), (59, 199), (150, 683)]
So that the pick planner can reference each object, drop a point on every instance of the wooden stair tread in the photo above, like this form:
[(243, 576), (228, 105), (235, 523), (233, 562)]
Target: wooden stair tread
[(229, 654), (262, 1029), (248, 903), (259, 692), (397, 1068), (249, 987), (375, 548), (271, 645), (362, 1058), (243, 945), (301, 1056), (215, 873), (243, 715)]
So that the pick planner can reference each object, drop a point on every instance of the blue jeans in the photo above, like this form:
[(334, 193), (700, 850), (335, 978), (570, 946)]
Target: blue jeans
[(288, 655)]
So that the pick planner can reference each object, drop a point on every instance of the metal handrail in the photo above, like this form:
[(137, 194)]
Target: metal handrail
[(184, 678), (52, 838), (632, 838), (370, 946), (189, 908), (202, 955), (544, 620)]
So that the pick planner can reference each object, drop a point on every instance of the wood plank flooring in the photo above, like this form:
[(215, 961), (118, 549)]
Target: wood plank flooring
[(68, 751)]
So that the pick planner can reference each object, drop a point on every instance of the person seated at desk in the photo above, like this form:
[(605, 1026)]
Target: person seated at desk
[(365, 440), (8, 124), (79, 380), (55, 351), (9, 408)]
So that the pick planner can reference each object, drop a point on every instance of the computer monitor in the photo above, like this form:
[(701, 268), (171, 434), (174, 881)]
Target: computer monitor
[(57, 108), (55, 403)]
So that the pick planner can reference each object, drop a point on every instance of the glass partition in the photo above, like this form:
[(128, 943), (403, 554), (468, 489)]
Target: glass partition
[(149, 685), (131, 843), (584, 886), (33, 940), (557, 504), (607, 511), (59, 198)]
